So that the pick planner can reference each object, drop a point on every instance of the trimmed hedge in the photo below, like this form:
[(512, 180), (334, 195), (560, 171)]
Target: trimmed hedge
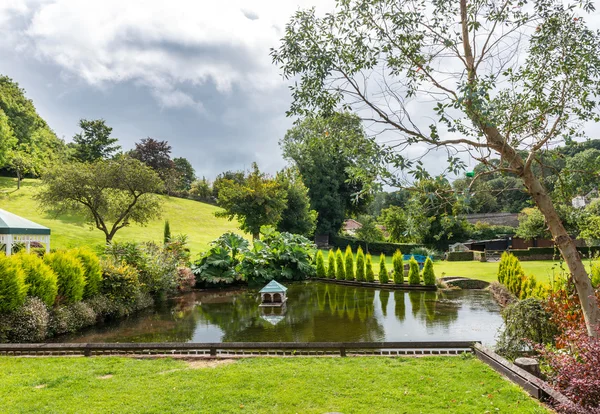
[(40, 279), (13, 289), (70, 273), (373, 248), (92, 271), (460, 256)]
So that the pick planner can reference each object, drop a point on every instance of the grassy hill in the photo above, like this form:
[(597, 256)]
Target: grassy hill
[(193, 218)]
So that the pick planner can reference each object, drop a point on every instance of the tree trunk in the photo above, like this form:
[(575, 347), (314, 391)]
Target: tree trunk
[(256, 236), (18, 180)]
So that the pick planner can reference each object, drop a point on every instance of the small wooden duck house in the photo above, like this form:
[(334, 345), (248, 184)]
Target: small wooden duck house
[(273, 294)]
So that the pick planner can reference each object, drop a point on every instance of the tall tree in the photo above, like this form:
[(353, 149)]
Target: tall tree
[(7, 138), (237, 177), (94, 141), (258, 201), (479, 77), (201, 188), (325, 150), (155, 154), (185, 173), (297, 217), (112, 193)]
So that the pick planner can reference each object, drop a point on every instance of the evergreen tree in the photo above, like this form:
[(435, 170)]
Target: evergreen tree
[(340, 273), (349, 260), (320, 265), (428, 274), (413, 272), (360, 265), (331, 264), (398, 267), (167, 232), (383, 274), (369, 275)]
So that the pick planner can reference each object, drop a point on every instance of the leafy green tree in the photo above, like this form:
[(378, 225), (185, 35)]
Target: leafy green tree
[(325, 150), (297, 217), (398, 267), (112, 193), (21, 163), (321, 265), (369, 274), (413, 272), (528, 82), (201, 188), (185, 173), (237, 177), (383, 273), (580, 174), (360, 265), (331, 264), (349, 263), (157, 155), (258, 201), (532, 225), (94, 141), (7, 138), (340, 272), (369, 232)]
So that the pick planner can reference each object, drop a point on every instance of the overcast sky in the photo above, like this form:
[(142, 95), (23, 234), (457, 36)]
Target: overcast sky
[(196, 73)]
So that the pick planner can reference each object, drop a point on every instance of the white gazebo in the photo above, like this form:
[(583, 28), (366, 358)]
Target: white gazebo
[(15, 229)]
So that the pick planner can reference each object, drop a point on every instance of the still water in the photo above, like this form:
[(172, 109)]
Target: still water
[(315, 312)]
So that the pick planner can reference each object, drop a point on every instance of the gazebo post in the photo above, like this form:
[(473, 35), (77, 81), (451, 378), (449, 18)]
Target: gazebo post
[(9, 242), (47, 244)]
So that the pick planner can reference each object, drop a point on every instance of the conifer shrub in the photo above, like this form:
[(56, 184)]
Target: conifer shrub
[(383, 273), (413, 272), (321, 265), (331, 264), (398, 267), (428, 273), (340, 273), (167, 232), (40, 279), (595, 275), (511, 275), (13, 289), (92, 271), (349, 263), (70, 276), (360, 265), (369, 274)]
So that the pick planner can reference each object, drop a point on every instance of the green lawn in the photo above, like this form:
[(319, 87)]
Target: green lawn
[(193, 218), (259, 385)]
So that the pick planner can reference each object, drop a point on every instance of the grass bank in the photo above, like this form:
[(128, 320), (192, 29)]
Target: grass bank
[(260, 385), (193, 218)]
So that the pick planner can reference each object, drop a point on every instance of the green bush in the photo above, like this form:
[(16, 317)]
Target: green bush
[(71, 318), (360, 265), (70, 276), (372, 247), (92, 271), (340, 273), (321, 265), (369, 275), (595, 275), (40, 279), (460, 256), (120, 282), (13, 289), (349, 264), (413, 272), (428, 273), (28, 323), (383, 273), (331, 264), (398, 267), (511, 275)]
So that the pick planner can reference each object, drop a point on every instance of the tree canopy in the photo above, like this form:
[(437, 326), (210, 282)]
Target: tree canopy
[(297, 218), (94, 141)]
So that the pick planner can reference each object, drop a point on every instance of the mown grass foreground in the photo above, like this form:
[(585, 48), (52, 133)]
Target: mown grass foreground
[(259, 385), (193, 218)]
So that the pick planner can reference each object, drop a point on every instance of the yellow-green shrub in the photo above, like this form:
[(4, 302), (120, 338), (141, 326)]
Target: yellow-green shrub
[(320, 264), (12, 285), (70, 276), (595, 275), (383, 273), (340, 273), (120, 282), (398, 267), (40, 279), (349, 263), (369, 275), (413, 272), (92, 271), (428, 274), (360, 265), (331, 264)]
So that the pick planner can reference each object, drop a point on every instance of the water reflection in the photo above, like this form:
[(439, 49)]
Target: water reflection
[(314, 312)]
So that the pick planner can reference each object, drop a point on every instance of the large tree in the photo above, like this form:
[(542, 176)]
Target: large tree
[(297, 217), (112, 193), (94, 141), (185, 173), (258, 201), (488, 78), (325, 150)]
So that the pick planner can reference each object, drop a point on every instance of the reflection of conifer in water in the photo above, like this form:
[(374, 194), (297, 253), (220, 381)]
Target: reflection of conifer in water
[(415, 302), (339, 300), (328, 298), (430, 299), (361, 304), (321, 299), (350, 302), (384, 296), (369, 296), (399, 305)]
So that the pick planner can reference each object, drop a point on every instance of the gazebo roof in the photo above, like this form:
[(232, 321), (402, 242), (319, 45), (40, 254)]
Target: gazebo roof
[(273, 287), (12, 224)]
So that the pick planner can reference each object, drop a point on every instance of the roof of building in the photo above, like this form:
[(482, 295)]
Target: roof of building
[(273, 287), (12, 224), (352, 224)]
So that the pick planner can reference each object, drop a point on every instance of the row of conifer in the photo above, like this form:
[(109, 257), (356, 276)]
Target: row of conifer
[(342, 267)]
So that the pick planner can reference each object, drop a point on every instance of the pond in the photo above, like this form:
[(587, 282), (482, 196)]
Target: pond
[(314, 312)]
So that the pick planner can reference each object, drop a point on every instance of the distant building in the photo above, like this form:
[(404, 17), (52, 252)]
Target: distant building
[(494, 219), (582, 201), (351, 226)]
